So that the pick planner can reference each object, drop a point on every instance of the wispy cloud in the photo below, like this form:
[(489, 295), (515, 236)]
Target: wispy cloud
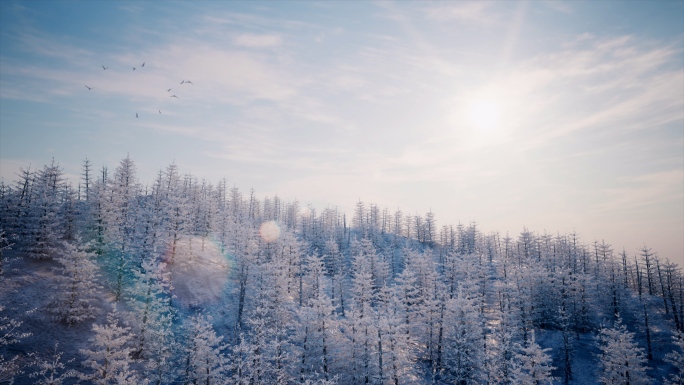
[(253, 21), (475, 12), (662, 188), (559, 6), (257, 41)]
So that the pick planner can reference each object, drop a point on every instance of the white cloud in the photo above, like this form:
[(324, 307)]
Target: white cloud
[(257, 41)]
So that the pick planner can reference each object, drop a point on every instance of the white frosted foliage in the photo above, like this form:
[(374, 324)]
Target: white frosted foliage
[(622, 360), (75, 287), (108, 358)]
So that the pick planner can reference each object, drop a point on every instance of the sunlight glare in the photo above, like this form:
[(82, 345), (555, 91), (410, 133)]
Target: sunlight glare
[(269, 231), (484, 114)]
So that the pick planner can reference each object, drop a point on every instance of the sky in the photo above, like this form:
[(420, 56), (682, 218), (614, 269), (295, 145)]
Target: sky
[(558, 117)]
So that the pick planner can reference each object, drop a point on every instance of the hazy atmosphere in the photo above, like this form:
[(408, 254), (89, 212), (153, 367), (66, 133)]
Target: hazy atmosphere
[(555, 116)]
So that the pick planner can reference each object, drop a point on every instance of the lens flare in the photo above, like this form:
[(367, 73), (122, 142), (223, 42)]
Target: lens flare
[(269, 231), (199, 270)]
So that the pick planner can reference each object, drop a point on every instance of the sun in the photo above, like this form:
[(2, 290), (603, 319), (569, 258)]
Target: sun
[(484, 114)]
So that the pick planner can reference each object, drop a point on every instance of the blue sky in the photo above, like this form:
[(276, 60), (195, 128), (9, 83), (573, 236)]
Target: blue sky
[(558, 116)]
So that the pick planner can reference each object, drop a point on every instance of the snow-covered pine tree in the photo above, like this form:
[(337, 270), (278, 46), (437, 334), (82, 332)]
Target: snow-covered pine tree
[(75, 285), (532, 365), (622, 361), (41, 221), (336, 269), (68, 212), (95, 215), (205, 363), (240, 362), (52, 370), (151, 299), (396, 353), (319, 322), (499, 360), (464, 354), (4, 245), (8, 207), (676, 358), (244, 269), (121, 221), (10, 334), (109, 355)]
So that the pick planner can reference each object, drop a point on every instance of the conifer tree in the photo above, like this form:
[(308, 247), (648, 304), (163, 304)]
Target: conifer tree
[(464, 350), (4, 245), (532, 365), (52, 370), (75, 287), (622, 361), (41, 220), (121, 221), (10, 334), (676, 358), (108, 357), (151, 298), (205, 362)]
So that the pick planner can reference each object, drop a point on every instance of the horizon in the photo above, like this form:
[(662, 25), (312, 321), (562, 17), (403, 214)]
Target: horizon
[(554, 116)]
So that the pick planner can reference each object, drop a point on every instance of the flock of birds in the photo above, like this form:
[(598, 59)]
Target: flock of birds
[(143, 66)]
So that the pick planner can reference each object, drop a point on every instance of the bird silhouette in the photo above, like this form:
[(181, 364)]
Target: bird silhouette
[(104, 68), (168, 90), (174, 96), (143, 64), (89, 88), (136, 114), (188, 82), (133, 68), (160, 111), (182, 81)]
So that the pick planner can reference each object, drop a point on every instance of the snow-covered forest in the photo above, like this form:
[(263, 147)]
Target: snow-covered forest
[(183, 281)]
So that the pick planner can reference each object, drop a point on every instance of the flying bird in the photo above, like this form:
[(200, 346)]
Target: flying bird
[(104, 68), (89, 88), (174, 96), (160, 111), (136, 114), (182, 81), (133, 68), (188, 82), (143, 64), (168, 90)]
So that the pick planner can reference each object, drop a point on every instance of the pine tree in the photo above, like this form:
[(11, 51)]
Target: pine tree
[(318, 321), (75, 286), (41, 220), (463, 347), (151, 298), (499, 364), (676, 358), (396, 352), (51, 371), (622, 361), (532, 365), (4, 245), (109, 355), (205, 362), (9, 335), (121, 221)]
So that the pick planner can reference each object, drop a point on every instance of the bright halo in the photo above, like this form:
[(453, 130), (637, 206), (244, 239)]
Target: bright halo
[(484, 114)]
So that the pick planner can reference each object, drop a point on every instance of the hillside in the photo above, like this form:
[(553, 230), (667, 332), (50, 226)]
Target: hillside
[(190, 282)]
